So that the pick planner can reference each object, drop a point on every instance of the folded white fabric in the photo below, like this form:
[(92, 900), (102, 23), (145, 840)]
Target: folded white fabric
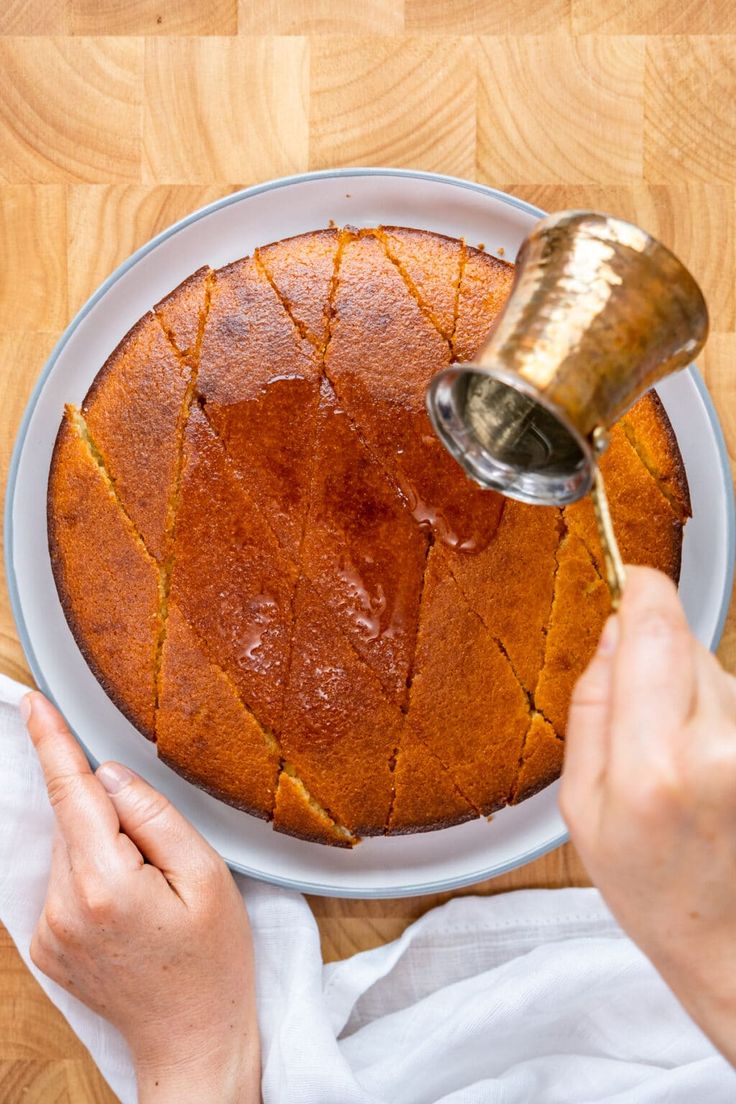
[(535, 996)]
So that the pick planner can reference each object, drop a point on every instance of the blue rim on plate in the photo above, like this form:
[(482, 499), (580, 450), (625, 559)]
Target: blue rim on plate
[(322, 889)]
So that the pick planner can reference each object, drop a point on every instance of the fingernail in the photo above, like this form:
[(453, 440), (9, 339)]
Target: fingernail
[(114, 776), (609, 636), (24, 708)]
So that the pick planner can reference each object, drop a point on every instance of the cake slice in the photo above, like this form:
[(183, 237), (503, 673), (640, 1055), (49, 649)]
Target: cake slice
[(107, 582), (249, 339), (296, 813), (204, 731), (260, 384), (431, 266), (302, 270), (421, 783), (132, 413), (362, 550), (650, 434), (183, 313), (339, 732), (379, 362), (230, 578), (541, 759), (463, 684), (485, 286), (510, 583), (647, 528), (571, 640)]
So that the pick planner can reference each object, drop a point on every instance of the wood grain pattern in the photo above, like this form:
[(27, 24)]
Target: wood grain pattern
[(212, 126), (494, 17), (653, 17), (406, 101), (690, 124), (121, 218), (118, 17), (118, 117), (70, 109), (33, 248), (310, 17), (582, 120)]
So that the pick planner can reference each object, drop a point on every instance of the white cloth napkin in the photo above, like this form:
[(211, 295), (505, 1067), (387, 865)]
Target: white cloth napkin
[(534, 996)]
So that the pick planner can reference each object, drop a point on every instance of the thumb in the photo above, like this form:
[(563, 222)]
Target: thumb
[(163, 836)]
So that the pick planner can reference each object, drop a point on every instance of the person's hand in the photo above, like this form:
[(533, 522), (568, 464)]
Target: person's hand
[(649, 795), (143, 922)]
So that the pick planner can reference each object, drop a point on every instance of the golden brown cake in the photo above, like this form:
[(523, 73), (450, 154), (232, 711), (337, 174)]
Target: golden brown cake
[(279, 575)]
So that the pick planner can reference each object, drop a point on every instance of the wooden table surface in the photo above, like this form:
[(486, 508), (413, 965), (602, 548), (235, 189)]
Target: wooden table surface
[(118, 117)]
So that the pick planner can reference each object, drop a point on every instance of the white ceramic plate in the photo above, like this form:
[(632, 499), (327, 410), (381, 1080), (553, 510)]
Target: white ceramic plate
[(220, 233)]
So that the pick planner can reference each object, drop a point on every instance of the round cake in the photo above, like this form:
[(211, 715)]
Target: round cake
[(278, 574)]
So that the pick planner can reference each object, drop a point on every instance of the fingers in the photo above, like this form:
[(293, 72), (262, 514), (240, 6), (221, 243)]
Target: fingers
[(586, 743), (715, 687), (86, 818), (654, 671), (159, 831)]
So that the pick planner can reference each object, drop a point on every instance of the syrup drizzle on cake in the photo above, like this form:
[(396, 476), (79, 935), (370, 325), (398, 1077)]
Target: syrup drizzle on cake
[(329, 625)]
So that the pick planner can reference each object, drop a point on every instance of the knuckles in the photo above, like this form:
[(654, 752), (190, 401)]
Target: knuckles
[(148, 808), (96, 901), (62, 787), (92, 904), (60, 922)]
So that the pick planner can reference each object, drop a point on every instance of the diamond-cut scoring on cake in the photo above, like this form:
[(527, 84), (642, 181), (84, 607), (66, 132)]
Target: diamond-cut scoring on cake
[(540, 761), (241, 488), (534, 745), (492, 704), (485, 285), (362, 550), (210, 729), (397, 244), (344, 237), (340, 835), (79, 426), (93, 541), (656, 452), (297, 813), (571, 642), (131, 411), (420, 781), (302, 272), (637, 505), (387, 406), (523, 551), (203, 724), (193, 685), (167, 311), (182, 314)]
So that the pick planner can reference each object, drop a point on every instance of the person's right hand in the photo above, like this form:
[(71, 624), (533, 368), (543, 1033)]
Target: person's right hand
[(144, 923), (649, 795)]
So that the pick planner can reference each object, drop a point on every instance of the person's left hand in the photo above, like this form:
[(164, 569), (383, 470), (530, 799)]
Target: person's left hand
[(143, 923)]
